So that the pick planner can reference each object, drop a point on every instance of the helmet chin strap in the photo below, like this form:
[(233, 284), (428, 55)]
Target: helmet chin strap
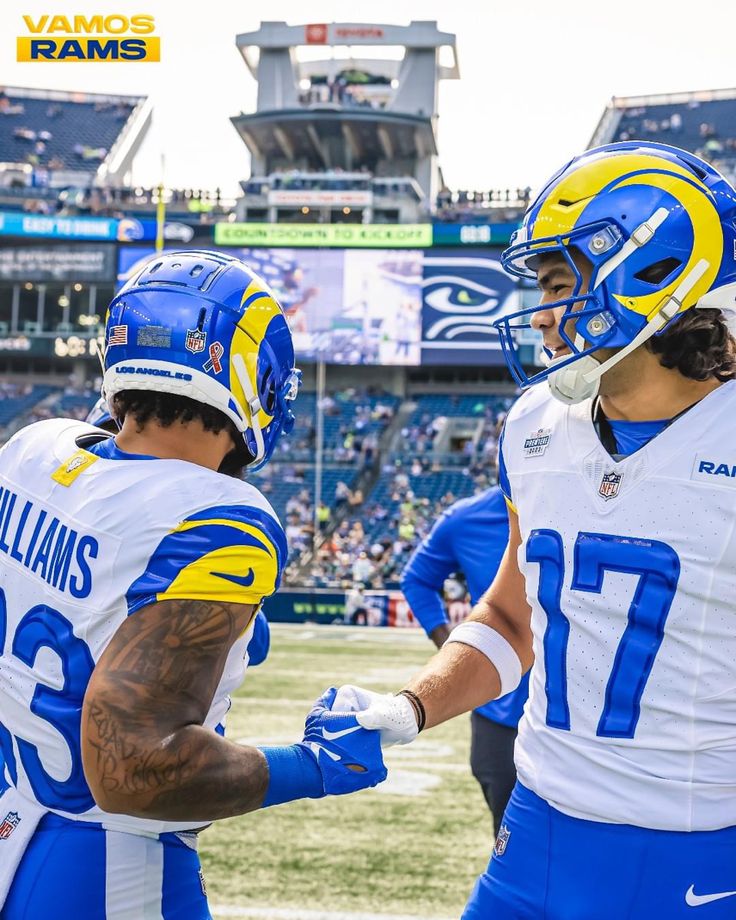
[(253, 406), (571, 384), (581, 379)]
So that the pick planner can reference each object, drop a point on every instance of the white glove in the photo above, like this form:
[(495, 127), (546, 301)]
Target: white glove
[(393, 715)]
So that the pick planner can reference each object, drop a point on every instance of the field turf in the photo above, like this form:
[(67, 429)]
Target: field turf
[(410, 848)]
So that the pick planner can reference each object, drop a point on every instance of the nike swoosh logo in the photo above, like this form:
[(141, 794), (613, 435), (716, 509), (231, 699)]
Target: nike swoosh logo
[(317, 749), (695, 900), (245, 581), (333, 736)]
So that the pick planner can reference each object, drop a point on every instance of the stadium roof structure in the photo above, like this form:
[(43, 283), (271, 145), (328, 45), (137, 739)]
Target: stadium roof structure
[(79, 138), (352, 113)]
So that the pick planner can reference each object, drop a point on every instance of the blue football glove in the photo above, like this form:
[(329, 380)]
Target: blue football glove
[(260, 641), (348, 756), (336, 756)]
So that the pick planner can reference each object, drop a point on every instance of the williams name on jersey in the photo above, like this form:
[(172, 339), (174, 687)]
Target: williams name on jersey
[(88, 537)]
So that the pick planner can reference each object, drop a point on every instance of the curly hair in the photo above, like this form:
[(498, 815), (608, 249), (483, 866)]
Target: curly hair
[(167, 409), (699, 345)]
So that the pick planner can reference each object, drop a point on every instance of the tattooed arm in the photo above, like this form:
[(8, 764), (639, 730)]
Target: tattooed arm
[(144, 749)]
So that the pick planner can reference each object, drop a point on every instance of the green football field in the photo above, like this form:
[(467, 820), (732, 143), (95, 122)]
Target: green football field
[(411, 848)]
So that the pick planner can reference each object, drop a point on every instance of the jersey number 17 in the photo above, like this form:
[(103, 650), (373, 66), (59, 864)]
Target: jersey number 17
[(658, 568)]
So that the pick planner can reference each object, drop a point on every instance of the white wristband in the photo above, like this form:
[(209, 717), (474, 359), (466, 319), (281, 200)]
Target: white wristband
[(497, 650)]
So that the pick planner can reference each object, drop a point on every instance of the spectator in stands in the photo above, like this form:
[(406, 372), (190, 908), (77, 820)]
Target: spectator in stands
[(401, 480), (25, 134), (355, 499), (323, 516), (369, 449), (10, 108), (342, 494), (363, 568)]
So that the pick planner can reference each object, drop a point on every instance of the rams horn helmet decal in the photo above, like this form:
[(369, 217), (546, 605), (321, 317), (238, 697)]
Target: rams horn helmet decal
[(253, 382), (656, 224)]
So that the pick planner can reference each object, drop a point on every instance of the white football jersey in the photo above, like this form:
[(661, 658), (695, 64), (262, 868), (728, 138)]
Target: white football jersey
[(86, 541), (630, 571)]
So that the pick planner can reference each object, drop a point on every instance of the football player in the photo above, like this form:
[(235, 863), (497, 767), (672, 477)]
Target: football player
[(471, 537), (130, 574), (619, 468)]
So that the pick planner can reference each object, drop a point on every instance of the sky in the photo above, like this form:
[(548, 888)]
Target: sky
[(535, 76)]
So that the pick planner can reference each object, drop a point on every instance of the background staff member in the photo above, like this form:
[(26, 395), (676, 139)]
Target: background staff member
[(470, 537)]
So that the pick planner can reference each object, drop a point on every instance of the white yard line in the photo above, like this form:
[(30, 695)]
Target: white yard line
[(298, 913)]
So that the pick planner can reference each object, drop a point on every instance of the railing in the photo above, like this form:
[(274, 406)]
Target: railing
[(485, 198)]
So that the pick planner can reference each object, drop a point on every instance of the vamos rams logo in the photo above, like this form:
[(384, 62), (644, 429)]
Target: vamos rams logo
[(110, 37)]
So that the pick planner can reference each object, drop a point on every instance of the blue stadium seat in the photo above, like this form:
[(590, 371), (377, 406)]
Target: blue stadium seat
[(93, 125), (13, 406), (705, 127)]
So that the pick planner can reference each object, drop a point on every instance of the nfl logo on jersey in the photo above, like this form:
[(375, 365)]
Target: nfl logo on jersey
[(610, 485), (195, 340), (9, 824), (502, 841)]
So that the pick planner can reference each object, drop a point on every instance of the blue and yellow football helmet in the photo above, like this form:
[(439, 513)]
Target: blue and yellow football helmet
[(657, 225), (202, 325)]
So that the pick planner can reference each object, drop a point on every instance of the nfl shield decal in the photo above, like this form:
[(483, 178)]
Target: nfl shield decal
[(502, 841), (9, 824), (610, 485), (195, 340)]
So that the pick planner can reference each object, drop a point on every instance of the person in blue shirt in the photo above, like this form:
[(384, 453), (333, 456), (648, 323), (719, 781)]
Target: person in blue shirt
[(470, 537)]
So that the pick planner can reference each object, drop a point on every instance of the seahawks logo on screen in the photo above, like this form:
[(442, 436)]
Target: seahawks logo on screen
[(462, 297)]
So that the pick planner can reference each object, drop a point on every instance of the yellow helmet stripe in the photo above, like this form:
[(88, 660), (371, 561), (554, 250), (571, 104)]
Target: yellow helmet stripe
[(564, 204)]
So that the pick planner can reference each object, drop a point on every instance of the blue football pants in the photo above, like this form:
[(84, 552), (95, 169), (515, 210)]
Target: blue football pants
[(78, 871), (549, 866)]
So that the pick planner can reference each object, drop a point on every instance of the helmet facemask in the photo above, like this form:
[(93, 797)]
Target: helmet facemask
[(585, 324)]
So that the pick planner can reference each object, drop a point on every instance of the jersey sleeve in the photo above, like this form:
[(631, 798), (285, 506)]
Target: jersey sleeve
[(424, 575), (228, 553), (503, 475)]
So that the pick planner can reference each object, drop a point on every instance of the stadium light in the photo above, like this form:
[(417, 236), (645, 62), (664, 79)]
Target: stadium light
[(88, 319)]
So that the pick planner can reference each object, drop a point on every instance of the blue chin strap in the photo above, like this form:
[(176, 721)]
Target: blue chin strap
[(592, 313)]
